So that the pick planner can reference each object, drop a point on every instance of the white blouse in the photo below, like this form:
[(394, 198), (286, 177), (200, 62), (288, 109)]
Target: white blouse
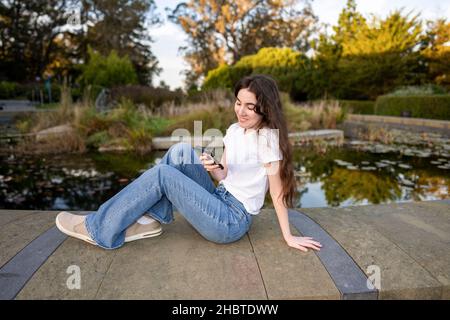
[(246, 153)]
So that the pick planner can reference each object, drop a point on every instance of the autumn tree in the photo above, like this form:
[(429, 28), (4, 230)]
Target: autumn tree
[(366, 58), (437, 52), (225, 31)]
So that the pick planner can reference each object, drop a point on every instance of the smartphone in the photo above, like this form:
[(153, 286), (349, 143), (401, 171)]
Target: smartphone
[(210, 153), (215, 162)]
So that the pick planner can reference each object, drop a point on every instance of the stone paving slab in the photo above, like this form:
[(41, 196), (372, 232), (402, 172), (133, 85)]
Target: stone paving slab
[(180, 264), (408, 241), (288, 273), (50, 281), (402, 277), (16, 234), (421, 230), (6, 217)]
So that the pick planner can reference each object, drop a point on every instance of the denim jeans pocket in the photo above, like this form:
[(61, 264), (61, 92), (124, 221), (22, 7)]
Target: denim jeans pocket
[(238, 209)]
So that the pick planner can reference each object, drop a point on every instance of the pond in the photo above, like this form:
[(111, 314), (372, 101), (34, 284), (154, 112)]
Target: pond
[(357, 173)]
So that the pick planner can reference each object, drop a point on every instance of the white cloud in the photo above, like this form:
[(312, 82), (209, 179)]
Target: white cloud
[(168, 32)]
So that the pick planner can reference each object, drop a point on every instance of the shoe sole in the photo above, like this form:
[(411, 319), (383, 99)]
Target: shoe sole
[(74, 234), (144, 235)]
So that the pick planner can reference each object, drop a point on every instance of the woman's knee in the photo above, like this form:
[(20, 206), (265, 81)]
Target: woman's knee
[(180, 147), (181, 153)]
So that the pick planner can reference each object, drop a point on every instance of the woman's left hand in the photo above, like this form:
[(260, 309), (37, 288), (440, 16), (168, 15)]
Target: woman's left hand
[(302, 243)]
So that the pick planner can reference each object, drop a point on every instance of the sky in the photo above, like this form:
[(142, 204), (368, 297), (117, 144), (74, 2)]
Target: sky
[(169, 37)]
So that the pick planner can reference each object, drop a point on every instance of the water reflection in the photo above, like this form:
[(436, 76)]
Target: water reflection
[(75, 182), (345, 176), (340, 177)]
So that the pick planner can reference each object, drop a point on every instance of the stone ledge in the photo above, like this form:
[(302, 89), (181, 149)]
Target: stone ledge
[(408, 242)]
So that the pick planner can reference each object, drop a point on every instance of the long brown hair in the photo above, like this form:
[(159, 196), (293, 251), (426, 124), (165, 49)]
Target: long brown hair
[(270, 107)]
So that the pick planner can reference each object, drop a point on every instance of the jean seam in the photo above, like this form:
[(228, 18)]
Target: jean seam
[(238, 209), (93, 235), (202, 210)]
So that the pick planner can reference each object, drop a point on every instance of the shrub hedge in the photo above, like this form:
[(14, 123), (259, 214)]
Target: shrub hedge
[(151, 97), (358, 106), (283, 64), (428, 107)]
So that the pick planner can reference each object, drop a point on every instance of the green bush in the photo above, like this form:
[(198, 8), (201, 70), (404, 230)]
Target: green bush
[(218, 78), (428, 107), (33, 93), (77, 93), (152, 98), (30, 91), (283, 64), (8, 90), (218, 117), (14, 90), (107, 71), (358, 106), (97, 139)]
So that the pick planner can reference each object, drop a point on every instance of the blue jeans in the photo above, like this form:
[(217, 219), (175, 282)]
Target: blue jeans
[(179, 180)]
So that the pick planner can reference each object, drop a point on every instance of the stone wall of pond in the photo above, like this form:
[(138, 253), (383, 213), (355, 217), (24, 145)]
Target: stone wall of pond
[(357, 125)]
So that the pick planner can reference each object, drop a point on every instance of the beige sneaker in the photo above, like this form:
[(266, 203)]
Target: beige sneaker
[(141, 231), (73, 225)]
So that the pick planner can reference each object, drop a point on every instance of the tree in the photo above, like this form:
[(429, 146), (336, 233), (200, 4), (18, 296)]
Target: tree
[(382, 56), (107, 71), (321, 77), (224, 31), (343, 184), (437, 52), (36, 37), (31, 37), (122, 25), (364, 59)]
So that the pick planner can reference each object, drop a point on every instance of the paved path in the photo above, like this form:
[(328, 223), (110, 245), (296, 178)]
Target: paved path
[(10, 108), (16, 106), (405, 244)]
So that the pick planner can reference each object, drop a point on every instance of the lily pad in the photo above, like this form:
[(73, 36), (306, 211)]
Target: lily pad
[(381, 164), (342, 163), (423, 154), (408, 183), (368, 168)]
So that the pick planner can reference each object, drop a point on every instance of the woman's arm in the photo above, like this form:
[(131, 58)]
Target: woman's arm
[(275, 187)]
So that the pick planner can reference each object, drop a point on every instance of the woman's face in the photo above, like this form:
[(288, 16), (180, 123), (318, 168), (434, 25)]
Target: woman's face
[(244, 107)]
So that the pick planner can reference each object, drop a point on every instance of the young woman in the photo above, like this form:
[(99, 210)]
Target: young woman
[(256, 158)]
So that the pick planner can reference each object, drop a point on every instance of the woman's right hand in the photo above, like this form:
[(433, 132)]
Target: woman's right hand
[(303, 243), (208, 162)]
